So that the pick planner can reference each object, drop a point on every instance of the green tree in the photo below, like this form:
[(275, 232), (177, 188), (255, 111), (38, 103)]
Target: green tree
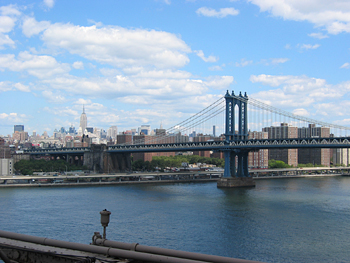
[(278, 164)]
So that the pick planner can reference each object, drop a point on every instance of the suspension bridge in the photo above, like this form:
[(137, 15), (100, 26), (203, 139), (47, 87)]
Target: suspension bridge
[(240, 128)]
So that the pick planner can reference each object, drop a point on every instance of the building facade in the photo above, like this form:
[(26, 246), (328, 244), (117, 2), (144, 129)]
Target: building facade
[(6, 167), (258, 159), (289, 156), (315, 156), (341, 157)]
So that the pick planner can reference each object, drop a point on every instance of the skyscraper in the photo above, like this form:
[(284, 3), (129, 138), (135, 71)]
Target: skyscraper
[(83, 121), (18, 128)]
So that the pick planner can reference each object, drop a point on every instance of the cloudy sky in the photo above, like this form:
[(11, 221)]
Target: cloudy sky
[(159, 61)]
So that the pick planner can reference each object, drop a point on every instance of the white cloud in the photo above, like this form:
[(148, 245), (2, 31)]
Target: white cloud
[(345, 65), (63, 111), (53, 97), (49, 3), (155, 84), (7, 24), (5, 86), (219, 82), (298, 91), (78, 65), (83, 102), (38, 66), (118, 46), (308, 46), (6, 40), (333, 15), (301, 112), (215, 68), (9, 10), (276, 61), (244, 63), (206, 59), (333, 108), (8, 18), (318, 35), (22, 87), (32, 27), (223, 12), (13, 118)]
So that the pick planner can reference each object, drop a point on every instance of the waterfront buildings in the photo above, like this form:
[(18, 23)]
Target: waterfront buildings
[(289, 156), (341, 157), (320, 156), (293, 157), (6, 167), (68, 137), (258, 159)]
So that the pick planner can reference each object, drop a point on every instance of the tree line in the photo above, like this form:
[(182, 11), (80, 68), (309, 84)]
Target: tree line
[(30, 166), (161, 162)]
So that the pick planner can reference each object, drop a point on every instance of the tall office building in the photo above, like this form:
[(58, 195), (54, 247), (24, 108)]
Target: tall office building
[(18, 128), (83, 121)]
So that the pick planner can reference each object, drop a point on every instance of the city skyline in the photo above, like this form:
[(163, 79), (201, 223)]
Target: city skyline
[(159, 61)]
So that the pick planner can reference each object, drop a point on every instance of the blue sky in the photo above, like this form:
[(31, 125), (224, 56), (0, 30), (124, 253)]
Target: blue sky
[(160, 61)]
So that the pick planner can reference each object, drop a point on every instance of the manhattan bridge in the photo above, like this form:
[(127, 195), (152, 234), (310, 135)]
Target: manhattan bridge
[(239, 119)]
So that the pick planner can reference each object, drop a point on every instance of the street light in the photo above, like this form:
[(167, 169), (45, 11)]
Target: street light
[(104, 221)]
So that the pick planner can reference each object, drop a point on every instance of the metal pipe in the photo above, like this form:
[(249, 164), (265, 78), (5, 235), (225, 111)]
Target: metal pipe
[(114, 252), (167, 252)]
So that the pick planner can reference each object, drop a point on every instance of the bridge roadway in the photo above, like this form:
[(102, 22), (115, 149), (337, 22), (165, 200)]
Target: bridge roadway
[(170, 177), (252, 144)]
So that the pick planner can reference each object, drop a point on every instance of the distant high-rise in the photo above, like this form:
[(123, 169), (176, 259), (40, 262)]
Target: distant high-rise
[(112, 132), (18, 128), (145, 129), (72, 130), (83, 121)]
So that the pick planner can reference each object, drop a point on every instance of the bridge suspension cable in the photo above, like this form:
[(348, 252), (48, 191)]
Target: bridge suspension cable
[(272, 109), (260, 115)]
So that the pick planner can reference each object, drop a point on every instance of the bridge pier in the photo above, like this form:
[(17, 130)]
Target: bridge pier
[(232, 182), (236, 172)]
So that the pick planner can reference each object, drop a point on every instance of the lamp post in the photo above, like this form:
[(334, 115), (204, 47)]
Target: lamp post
[(104, 221)]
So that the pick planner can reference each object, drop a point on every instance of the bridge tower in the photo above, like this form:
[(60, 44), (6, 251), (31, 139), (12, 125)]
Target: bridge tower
[(236, 172)]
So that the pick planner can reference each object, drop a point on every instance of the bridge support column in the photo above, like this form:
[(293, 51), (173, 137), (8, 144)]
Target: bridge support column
[(236, 172)]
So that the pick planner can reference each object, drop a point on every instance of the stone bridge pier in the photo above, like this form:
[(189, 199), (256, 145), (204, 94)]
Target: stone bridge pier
[(99, 160)]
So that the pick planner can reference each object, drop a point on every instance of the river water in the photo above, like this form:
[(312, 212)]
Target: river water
[(280, 220)]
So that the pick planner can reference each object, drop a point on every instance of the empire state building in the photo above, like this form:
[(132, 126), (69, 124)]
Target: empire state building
[(83, 121)]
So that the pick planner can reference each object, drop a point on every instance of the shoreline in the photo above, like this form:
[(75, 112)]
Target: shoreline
[(78, 184)]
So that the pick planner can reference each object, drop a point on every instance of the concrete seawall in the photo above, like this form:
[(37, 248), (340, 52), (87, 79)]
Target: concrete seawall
[(145, 181), (108, 183)]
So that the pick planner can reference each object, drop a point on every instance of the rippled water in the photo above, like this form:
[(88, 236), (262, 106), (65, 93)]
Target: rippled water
[(281, 220)]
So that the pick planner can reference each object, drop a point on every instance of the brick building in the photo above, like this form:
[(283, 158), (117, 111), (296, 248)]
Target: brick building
[(316, 156), (289, 156), (258, 159)]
